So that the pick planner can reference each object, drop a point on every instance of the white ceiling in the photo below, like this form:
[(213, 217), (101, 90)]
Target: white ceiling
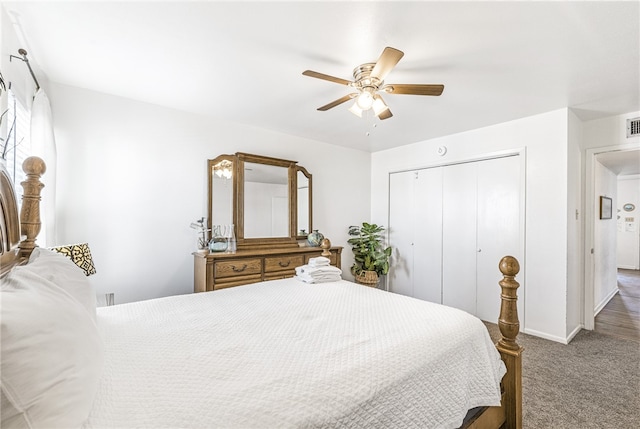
[(621, 162), (243, 61)]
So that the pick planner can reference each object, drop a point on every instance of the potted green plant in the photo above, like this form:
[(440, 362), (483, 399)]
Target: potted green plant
[(371, 258)]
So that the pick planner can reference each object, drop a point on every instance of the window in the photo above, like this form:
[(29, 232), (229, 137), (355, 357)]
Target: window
[(18, 144)]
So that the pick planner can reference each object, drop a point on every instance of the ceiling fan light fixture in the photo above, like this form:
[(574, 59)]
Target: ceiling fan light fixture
[(223, 169), (379, 105), (356, 110), (365, 99)]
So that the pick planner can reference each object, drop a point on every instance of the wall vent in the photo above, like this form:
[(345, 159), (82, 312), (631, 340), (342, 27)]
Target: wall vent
[(633, 127)]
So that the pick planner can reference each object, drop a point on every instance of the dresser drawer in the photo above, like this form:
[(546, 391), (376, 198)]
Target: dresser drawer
[(283, 263), (237, 267), (213, 271), (223, 283)]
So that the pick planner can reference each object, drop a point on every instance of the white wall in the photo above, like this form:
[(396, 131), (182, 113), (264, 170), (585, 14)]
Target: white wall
[(605, 282), (132, 177), (628, 250), (543, 274), (610, 131), (575, 238)]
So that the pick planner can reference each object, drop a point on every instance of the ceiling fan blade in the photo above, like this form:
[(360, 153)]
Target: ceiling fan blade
[(323, 76), (387, 61), (337, 102), (414, 89), (386, 114)]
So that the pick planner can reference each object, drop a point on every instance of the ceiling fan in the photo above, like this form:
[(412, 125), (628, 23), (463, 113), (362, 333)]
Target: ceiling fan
[(369, 82)]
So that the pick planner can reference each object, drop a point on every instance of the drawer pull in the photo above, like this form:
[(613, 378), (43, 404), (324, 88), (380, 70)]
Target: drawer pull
[(239, 270), (285, 265)]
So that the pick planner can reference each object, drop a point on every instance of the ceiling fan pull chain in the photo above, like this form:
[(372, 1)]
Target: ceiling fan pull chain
[(371, 120)]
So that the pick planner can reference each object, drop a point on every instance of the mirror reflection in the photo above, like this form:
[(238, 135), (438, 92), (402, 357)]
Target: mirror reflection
[(222, 193), (266, 201)]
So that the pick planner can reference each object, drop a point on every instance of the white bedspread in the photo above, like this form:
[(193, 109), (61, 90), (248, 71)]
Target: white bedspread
[(284, 354)]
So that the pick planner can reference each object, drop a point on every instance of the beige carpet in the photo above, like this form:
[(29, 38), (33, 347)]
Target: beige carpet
[(594, 382)]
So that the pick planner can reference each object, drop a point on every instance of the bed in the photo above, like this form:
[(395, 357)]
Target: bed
[(280, 353)]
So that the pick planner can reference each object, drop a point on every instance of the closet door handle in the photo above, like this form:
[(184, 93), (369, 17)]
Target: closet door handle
[(479, 250)]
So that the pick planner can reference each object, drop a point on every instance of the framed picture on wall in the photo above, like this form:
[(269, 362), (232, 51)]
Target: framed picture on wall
[(605, 208)]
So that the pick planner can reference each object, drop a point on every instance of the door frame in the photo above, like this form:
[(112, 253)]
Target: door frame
[(588, 316)]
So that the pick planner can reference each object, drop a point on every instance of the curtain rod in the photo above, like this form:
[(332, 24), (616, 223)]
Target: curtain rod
[(24, 58)]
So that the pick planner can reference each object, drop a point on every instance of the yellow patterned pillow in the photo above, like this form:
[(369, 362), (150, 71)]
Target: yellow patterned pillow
[(79, 254)]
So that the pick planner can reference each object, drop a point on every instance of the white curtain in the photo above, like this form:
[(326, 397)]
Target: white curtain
[(43, 144)]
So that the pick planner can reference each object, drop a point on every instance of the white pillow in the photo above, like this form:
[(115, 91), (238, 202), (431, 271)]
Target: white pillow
[(51, 352), (60, 270)]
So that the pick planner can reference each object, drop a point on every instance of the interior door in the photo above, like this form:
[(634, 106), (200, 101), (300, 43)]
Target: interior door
[(427, 262), (459, 196), (499, 226), (279, 223), (401, 229)]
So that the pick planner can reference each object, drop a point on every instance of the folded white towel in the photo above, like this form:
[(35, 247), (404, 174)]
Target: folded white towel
[(320, 261), (317, 271), (309, 279), (323, 276), (305, 279)]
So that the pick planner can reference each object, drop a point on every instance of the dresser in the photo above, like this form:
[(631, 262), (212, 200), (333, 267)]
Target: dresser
[(213, 271), (269, 201)]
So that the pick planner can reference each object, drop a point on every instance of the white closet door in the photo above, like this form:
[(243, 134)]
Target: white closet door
[(498, 229), (401, 228), (459, 236), (279, 223), (449, 226), (427, 262)]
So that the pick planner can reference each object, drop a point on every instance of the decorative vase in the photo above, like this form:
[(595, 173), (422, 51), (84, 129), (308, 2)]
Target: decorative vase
[(202, 245), (368, 278), (219, 242), (315, 238), (231, 236)]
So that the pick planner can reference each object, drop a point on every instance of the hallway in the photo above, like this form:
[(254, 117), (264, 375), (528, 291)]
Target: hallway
[(621, 316)]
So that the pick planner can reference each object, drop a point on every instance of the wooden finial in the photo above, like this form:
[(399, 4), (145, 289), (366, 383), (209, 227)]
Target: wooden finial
[(509, 349), (30, 223), (325, 244), (508, 320)]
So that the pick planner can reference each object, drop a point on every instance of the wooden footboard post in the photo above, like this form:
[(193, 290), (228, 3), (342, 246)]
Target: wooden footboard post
[(30, 211), (509, 349)]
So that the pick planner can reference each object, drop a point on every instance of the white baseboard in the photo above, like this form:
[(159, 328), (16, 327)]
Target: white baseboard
[(546, 336), (605, 301), (561, 340), (627, 267), (574, 333)]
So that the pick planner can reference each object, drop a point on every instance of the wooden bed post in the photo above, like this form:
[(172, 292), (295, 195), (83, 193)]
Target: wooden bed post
[(30, 211), (509, 349)]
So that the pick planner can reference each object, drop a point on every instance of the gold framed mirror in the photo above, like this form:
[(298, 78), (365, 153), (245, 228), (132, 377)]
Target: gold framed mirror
[(260, 196)]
